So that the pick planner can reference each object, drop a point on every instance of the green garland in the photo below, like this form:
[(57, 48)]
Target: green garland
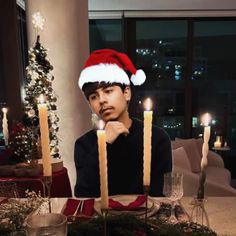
[(128, 225)]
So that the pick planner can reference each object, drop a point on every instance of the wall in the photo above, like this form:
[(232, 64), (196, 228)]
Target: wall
[(66, 36)]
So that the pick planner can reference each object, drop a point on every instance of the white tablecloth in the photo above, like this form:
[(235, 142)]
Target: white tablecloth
[(221, 212)]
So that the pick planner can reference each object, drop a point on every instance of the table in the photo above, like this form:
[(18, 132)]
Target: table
[(221, 149), (60, 183), (221, 212), (228, 155)]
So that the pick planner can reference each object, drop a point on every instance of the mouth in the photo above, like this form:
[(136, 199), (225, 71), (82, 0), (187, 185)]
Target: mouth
[(104, 111)]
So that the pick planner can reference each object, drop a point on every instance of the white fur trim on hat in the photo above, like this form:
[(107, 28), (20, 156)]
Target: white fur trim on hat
[(139, 77), (109, 73)]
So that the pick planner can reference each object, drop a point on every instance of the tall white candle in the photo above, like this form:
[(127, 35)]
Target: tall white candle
[(205, 148), (206, 136), (147, 142), (5, 126), (102, 152), (44, 133)]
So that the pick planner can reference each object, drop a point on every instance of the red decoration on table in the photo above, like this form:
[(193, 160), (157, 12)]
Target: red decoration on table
[(72, 205), (137, 204)]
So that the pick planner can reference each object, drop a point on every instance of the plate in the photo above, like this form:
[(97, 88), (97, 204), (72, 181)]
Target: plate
[(152, 207)]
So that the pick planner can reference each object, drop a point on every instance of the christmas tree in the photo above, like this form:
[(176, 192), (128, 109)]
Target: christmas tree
[(39, 81), (23, 144)]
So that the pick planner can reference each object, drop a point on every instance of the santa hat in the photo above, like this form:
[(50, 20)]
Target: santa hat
[(109, 66)]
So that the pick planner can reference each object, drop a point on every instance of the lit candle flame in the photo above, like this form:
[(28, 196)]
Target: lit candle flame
[(41, 99), (206, 119), (4, 110), (101, 124), (148, 104)]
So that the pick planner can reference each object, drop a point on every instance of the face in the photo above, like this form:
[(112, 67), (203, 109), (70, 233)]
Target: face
[(110, 103)]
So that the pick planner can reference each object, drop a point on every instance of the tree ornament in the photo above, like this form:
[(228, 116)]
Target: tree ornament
[(38, 21)]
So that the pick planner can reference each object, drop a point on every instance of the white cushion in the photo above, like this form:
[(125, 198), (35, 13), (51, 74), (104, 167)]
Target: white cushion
[(191, 149), (218, 175), (180, 158)]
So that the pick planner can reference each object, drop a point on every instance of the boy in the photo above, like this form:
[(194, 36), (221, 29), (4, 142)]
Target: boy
[(107, 89)]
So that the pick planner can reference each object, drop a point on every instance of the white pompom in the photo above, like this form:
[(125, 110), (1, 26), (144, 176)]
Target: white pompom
[(139, 77)]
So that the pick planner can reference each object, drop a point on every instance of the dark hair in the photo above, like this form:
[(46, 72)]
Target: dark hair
[(90, 88)]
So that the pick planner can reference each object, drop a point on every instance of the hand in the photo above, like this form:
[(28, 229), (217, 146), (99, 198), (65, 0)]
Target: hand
[(114, 129)]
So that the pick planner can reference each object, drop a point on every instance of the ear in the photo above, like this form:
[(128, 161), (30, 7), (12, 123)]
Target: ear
[(127, 93)]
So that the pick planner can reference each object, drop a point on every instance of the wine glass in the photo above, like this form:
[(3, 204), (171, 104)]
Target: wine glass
[(173, 190)]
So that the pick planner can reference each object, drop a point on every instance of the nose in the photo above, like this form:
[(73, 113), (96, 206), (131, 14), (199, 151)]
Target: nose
[(102, 98)]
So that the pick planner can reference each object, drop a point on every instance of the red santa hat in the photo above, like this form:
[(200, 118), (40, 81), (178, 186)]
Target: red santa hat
[(109, 66)]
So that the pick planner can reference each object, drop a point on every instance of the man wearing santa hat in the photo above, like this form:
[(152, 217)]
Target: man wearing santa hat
[(106, 85)]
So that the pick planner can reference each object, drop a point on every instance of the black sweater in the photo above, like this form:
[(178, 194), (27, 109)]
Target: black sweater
[(125, 162)]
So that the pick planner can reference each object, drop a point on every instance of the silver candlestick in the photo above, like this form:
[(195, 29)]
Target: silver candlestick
[(198, 213)]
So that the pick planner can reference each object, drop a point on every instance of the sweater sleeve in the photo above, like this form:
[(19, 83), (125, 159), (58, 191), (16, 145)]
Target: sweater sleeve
[(87, 172)]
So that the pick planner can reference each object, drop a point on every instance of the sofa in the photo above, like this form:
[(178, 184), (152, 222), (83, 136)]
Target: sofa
[(186, 154)]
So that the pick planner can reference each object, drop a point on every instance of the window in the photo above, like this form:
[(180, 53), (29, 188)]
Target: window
[(189, 63), (105, 34), (214, 76), (161, 52)]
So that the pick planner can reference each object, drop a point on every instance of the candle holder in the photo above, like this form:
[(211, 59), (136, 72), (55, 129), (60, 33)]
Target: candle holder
[(201, 189), (198, 213), (48, 183), (146, 189), (104, 215)]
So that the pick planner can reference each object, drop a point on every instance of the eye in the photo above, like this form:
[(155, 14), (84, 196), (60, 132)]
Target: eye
[(92, 97), (108, 90)]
